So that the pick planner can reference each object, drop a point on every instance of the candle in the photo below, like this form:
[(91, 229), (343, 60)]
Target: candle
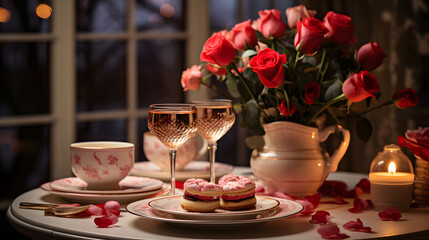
[(392, 179)]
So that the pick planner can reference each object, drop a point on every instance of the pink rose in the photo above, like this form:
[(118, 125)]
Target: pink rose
[(312, 92), (360, 86), (268, 65), (271, 24), (283, 108), (294, 14), (370, 56), (242, 35), (405, 98), (340, 28), (191, 78), (218, 50), (311, 34), (216, 70)]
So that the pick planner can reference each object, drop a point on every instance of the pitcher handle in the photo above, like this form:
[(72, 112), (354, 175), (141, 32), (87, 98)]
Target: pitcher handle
[(332, 164)]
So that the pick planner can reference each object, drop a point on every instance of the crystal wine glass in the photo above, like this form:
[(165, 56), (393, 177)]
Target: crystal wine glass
[(172, 124), (214, 118)]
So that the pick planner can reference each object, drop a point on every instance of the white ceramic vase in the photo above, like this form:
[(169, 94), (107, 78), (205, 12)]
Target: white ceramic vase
[(292, 161)]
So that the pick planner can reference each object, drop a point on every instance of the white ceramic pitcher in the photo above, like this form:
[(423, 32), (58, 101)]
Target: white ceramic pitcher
[(292, 160)]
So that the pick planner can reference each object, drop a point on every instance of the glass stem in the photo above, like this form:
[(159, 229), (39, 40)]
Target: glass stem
[(173, 171), (212, 154)]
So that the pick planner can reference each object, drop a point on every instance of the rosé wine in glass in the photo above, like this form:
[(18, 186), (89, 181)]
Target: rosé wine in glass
[(214, 119), (172, 124)]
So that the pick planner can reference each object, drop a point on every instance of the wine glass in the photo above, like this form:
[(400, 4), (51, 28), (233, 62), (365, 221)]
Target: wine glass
[(172, 124), (214, 118)]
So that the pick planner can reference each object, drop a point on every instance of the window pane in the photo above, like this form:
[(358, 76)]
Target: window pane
[(142, 128), (24, 79), (160, 65), (111, 130), (21, 16), (160, 15), (101, 75), (24, 158), (101, 15)]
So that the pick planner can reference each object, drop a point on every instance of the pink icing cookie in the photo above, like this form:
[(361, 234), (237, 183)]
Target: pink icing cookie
[(233, 182), (201, 185)]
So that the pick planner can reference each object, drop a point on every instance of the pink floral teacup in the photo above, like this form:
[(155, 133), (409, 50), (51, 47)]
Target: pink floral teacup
[(156, 152), (102, 165)]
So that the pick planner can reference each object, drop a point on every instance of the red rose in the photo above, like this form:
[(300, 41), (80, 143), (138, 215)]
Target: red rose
[(283, 108), (242, 35), (191, 78), (216, 70), (405, 98), (312, 92), (268, 64), (311, 33), (271, 24), (370, 56), (360, 86), (218, 50), (294, 14), (340, 28)]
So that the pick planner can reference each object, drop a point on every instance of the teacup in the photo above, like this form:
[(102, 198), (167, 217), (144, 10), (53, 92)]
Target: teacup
[(102, 165), (156, 152)]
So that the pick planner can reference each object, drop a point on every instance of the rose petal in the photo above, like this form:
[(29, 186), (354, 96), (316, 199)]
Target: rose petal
[(106, 221), (259, 189), (365, 185), (358, 205), (112, 207), (332, 188), (331, 232), (356, 226), (389, 214), (180, 184), (94, 210), (314, 199), (308, 207), (338, 200), (320, 217)]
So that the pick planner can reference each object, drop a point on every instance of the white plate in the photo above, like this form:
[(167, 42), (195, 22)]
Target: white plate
[(129, 184), (285, 209), (195, 169), (102, 198), (171, 205)]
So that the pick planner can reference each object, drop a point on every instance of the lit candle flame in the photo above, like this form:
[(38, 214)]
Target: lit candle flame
[(392, 168)]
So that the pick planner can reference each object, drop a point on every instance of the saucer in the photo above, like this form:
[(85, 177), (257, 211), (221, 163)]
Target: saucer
[(171, 205), (129, 184), (286, 208), (102, 198), (195, 169)]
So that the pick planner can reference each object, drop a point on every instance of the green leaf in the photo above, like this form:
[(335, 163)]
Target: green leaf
[(250, 116), (231, 84), (255, 142), (249, 53), (262, 38), (364, 129), (335, 89)]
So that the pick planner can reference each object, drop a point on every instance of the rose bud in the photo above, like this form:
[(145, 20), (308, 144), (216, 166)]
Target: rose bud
[(312, 92), (310, 35), (242, 35), (216, 70), (294, 14), (405, 98), (283, 108), (218, 50), (370, 56), (340, 28), (271, 24), (191, 78), (360, 86)]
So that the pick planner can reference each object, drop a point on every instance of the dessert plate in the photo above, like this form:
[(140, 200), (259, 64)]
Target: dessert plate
[(195, 169), (285, 209), (129, 184), (102, 198), (171, 205)]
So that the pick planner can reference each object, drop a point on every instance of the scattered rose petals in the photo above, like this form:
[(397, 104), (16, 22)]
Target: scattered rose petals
[(308, 207), (338, 200), (349, 193), (358, 205), (314, 199), (332, 188), (94, 210), (320, 217), (365, 185), (331, 232), (389, 214), (112, 207), (356, 226), (106, 221)]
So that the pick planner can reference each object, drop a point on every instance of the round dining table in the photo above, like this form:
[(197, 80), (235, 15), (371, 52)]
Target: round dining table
[(414, 224)]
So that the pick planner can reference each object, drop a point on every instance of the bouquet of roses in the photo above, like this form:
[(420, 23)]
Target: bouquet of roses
[(305, 72)]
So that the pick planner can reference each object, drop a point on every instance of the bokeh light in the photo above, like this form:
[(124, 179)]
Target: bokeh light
[(43, 11), (4, 15), (167, 10)]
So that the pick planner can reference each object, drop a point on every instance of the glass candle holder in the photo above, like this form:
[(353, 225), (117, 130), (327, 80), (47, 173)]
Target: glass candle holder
[(392, 177)]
